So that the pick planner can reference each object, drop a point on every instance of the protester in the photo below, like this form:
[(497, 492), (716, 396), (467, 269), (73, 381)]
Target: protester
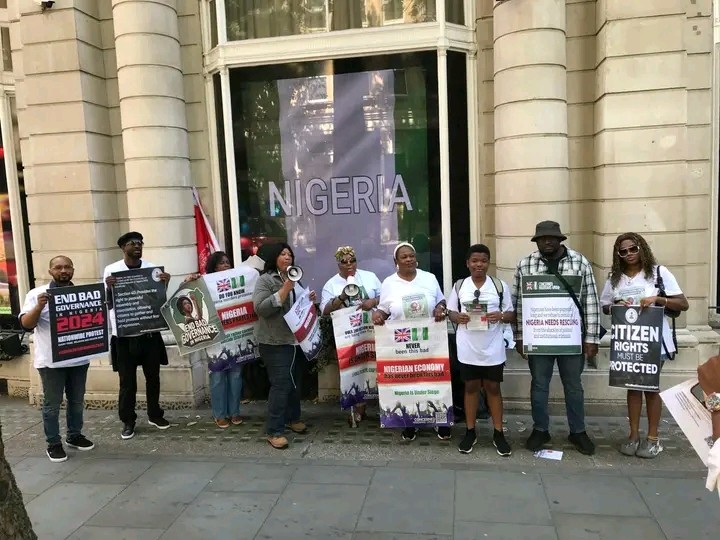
[(552, 257), (129, 352), (635, 280), (709, 378), (68, 376), (334, 297), (274, 295), (225, 373), (481, 352), (410, 281)]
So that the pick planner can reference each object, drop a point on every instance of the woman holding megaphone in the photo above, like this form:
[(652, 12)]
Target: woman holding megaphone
[(275, 293)]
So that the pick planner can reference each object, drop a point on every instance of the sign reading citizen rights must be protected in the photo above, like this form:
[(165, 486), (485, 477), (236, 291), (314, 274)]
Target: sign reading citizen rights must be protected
[(78, 322), (636, 347)]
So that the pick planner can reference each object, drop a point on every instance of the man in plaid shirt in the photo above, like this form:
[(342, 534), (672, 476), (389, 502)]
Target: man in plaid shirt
[(553, 256)]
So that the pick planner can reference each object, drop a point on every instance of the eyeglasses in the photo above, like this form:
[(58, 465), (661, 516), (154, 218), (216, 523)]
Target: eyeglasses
[(348, 261), (632, 250), (477, 297), (137, 243)]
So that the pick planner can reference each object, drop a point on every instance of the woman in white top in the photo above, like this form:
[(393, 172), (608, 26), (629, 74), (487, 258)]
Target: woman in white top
[(334, 296), (633, 281), (475, 307), (411, 293)]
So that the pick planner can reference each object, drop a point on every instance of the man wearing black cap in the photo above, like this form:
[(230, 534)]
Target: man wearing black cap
[(553, 257), (127, 353)]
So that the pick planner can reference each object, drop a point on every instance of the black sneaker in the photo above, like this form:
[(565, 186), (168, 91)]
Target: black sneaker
[(128, 431), (582, 443), (159, 423), (537, 440), (56, 453), (409, 434), (500, 443), (469, 440), (80, 443), (444, 433)]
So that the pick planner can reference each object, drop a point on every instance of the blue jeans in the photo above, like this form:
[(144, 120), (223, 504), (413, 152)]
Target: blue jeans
[(281, 362), (225, 392), (71, 380), (570, 368)]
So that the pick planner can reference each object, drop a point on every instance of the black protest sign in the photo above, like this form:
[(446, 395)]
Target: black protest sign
[(636, 347), (78, 322), (138, 295)]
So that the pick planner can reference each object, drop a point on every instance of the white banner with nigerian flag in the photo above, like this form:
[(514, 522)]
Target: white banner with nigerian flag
[(355, 344), (551, 322), (413, 374)]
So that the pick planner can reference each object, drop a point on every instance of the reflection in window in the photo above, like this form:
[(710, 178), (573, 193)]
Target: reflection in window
[(213, 23), (6, 50), (251, 19), (454, 11)]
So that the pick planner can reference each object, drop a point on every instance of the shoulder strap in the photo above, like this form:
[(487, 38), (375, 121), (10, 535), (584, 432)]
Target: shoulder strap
[(499, 288), (457, 286), (574, 297)]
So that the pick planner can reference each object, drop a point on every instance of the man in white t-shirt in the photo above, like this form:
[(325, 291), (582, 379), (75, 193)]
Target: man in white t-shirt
[(479, 305), (127, 353), (68, 376)]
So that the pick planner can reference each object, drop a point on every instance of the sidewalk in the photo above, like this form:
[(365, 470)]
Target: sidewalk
[(194, 481)]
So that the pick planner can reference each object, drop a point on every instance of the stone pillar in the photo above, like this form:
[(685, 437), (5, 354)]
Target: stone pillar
[(154, 131), (531, 144)]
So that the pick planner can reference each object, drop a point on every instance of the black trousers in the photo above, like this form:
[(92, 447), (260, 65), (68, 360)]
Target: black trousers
[(147, 351)]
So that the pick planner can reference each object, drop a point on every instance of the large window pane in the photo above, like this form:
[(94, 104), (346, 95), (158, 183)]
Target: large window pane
[(251, 19), (340, 152), (455, 11)]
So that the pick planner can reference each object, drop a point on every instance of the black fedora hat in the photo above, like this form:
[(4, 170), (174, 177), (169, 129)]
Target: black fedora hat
[(548, 228)]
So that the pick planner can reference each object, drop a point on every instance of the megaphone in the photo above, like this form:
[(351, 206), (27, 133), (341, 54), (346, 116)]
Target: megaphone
[(294, 273), (351, 290)]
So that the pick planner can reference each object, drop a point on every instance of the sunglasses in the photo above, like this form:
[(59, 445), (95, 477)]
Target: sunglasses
[(477, 297), (632, 250), (348, 261)]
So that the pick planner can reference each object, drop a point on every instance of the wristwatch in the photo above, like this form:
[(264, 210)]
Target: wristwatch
[(712, 402)]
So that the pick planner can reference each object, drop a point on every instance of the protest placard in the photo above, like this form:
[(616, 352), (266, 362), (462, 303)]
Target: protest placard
[(355, 345), (304, 323), (138, 296)]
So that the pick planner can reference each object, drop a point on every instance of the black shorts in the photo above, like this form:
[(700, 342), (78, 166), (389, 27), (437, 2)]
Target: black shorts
[(488, 373)]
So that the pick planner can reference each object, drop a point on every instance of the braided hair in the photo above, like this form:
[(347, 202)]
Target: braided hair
[(647, 259)]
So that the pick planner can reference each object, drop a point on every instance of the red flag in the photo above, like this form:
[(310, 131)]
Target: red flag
[(207, 242)]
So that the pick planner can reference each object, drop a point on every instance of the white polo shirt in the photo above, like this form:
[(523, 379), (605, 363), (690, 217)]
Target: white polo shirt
[(367, 281), (42, 355), (120, 266)]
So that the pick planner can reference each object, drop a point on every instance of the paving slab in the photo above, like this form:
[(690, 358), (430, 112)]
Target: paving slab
[(329, 474), (61, 509), (398, 536), (682, 507), (501, 497), (599, 495), (158, 496), (36, 474), (411, 501), (314, 511), (109, 471), (593, 527), (222, 515), (473, 530), (241, 477), (88, 532)]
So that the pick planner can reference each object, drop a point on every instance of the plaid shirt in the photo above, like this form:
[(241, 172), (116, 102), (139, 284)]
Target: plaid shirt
[(572, 264)]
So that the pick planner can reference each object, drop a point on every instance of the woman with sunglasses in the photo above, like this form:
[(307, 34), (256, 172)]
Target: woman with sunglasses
[(480, 347), (633, 282), (334, 297), (411, 293)]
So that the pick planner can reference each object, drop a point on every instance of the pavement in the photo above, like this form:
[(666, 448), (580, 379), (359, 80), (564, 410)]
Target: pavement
[(194, 481)]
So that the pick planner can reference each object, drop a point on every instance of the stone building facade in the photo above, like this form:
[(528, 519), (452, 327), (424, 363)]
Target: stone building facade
[(599, 114)]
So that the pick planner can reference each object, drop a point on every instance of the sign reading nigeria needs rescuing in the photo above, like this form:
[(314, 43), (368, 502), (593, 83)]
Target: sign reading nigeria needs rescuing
[(413, 374), (636, 347), (551, 322)]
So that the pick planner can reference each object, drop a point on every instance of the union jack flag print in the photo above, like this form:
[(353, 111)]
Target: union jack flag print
[(223, 285), (402, 335), (356, 319)]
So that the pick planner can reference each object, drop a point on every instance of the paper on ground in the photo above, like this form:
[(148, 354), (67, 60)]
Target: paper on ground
[(555, 455)]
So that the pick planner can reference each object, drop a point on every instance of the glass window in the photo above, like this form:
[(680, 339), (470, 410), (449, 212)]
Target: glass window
[(250, 19), (341, 152), (3, 4), (213, 24), (455, 11), (6, 49)]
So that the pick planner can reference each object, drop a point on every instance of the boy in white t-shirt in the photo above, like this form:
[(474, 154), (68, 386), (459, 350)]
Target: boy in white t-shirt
[(633, 281), (479, 305)]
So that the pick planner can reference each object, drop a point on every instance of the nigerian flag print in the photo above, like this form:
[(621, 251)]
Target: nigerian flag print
[(419, 334)]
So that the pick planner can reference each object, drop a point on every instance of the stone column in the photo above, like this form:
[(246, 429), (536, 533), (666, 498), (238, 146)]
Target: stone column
[(531, 146), (154, 130)]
